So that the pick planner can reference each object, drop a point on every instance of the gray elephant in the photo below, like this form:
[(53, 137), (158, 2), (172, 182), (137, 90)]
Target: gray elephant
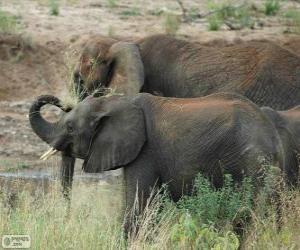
[(164, 140), (162, 65), (287, 124)]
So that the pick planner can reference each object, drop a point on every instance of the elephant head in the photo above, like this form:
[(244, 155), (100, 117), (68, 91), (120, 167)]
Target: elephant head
[(107, 63), (108, 132)]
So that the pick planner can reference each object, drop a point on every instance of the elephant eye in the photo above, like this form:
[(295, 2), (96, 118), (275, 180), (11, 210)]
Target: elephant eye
[(69, 128)]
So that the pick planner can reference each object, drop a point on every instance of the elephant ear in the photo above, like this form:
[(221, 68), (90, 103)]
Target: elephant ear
[(126, 68), (119, 137)]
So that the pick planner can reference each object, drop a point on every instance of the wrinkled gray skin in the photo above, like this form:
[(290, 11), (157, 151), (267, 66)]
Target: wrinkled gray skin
[(163, 65), (164, 140), (287, 124)]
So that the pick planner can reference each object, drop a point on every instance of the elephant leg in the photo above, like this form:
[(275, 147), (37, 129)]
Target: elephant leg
[(66, 174), (140, 181)]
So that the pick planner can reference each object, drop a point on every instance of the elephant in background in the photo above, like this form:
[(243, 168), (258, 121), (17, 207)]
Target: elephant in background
[(164, 140), (162, 65), (287, 124)]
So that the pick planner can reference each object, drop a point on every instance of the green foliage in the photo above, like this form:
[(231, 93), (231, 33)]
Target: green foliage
[(224, 12), (53, 7), (187, 233), (214, 23), (131, 12), (171, 23), (112, 3), (271, 7), (293, 20), (218, 207), (8, 23)]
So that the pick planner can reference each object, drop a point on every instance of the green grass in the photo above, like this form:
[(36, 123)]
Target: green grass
[(214, 23), (53, 7), (112, 3), (171, 23), (292, 17), (271, 7), (8, 23), (131, 12), (205, 220), (226, 12)]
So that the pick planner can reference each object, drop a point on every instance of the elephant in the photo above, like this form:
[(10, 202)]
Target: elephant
[(160, 140), (287, 124), (162, 65)]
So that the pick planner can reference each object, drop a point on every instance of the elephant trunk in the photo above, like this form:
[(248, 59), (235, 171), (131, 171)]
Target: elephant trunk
[(44, 129), (128, 77)]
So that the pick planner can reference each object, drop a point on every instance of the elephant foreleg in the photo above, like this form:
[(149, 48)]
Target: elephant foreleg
[(139, 184), (66, 174)]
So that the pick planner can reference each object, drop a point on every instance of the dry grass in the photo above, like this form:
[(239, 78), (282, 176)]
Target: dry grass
[(94, 221)]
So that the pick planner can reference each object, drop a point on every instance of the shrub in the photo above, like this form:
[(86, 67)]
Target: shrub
[(223, 12), (53, 7), (171, 23), (218, 207), (293, 20), (271, 7), (214, 23)]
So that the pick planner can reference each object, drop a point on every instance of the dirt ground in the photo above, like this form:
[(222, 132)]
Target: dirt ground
[(38, 58)]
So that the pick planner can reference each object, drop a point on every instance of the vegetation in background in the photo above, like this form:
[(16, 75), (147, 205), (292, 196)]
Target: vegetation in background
[(112, 3), (8, 23), (293, 20), (130, 12), (271, 7), (171, 23), (53, 7), (224, 12)]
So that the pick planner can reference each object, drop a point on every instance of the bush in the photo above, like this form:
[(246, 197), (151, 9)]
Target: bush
[(214, 23), (53, 7), (271, 7), (171, 23), (238, 17), (218, 207), (293, 20)]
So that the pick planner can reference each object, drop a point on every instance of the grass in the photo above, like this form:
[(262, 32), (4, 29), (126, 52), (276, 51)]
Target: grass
[(171, 23), (205, 220), (292, 17), (12, 166), (8, 23), (53, 7), (112, 3), (271, 7), (131, 12), (214, 23), (225, 12)]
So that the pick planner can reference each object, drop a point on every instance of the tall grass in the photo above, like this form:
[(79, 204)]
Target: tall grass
[(205, 220)]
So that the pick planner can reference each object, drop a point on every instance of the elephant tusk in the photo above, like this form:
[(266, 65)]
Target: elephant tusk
[(49, 153)]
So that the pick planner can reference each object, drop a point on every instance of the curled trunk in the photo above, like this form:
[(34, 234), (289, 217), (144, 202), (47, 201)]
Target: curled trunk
[(44, 129)]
